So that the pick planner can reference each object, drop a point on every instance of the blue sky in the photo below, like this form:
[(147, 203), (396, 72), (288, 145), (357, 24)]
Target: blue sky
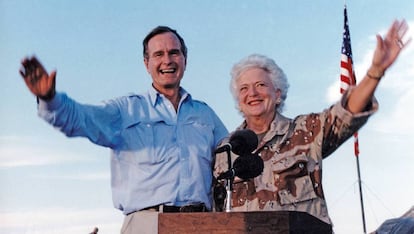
[(53, 184)]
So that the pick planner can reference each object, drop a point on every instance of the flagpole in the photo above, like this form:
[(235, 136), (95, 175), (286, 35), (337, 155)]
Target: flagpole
[(356, 148), (348, 79), (360, 195)]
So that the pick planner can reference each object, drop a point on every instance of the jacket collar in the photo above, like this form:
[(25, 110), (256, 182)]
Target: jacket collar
[(279, 126)]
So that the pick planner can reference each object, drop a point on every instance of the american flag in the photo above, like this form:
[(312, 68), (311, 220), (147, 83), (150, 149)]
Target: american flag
[(347, 68)]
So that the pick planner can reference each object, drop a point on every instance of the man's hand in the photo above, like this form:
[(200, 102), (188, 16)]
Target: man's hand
[(39, 82)]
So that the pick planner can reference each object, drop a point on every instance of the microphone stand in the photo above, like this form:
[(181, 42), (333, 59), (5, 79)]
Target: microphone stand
[(229, 185)]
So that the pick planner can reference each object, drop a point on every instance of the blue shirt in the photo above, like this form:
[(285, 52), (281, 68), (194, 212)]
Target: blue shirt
[(158, 155)]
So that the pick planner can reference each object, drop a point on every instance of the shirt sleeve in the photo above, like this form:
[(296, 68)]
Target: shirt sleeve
[(98, 123), (340, 124)]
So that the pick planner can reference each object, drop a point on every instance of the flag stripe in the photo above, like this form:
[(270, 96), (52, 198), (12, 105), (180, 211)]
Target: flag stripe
[(347, 77)]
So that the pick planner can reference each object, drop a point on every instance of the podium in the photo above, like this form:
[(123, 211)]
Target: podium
[(277, 222)]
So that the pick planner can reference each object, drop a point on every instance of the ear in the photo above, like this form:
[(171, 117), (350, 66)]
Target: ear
[(278, 93), (185, 64), (146, 64)]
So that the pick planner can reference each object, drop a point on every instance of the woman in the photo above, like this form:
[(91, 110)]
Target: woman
[(293, 149)]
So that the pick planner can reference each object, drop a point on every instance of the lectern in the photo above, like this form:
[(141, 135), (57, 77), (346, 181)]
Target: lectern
[(277, 222)]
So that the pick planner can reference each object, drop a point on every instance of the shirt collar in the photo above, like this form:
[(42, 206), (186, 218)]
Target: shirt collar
[(155, 96), (279, 125)]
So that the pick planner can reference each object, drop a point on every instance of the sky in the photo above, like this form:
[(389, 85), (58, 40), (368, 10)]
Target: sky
[(54, 184)]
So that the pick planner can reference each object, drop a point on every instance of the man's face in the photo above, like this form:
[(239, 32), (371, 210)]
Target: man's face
[(165, 62)]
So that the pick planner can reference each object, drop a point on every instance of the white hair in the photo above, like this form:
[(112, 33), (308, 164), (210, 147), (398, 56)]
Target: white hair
[(276, 74)]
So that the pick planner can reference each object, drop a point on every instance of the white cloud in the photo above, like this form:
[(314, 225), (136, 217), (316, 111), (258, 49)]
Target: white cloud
[(19, 152), (61, 220), (399, 121), (82, 176), (332, 94), (17, 157), (399, 82)]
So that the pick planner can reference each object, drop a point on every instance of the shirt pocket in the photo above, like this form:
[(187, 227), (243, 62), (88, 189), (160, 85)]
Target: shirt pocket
[(139, 144), (200, 139), (303, 192), (293, 181)]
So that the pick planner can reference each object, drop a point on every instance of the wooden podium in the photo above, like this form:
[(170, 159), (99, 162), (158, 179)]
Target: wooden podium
[(278, 222)]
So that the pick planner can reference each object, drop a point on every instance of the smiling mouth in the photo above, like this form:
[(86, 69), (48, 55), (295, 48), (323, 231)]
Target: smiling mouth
[(167, 71), (254, 102)]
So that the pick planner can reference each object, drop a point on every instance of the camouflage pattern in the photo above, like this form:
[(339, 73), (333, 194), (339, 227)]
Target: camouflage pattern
[(292, 151)]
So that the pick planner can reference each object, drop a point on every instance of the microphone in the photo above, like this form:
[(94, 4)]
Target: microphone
[(241, 142), (245, 167)]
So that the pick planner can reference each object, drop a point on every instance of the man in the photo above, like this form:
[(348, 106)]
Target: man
[(161, 141)]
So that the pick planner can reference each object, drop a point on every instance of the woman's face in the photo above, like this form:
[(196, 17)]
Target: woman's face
[(257, 95)]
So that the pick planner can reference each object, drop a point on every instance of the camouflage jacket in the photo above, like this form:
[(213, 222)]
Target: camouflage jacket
[(292, 151)]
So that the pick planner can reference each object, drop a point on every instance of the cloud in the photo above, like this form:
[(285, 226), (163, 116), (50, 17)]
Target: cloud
[(19, 152), (15, 157), (61, 220), (81, 176)]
